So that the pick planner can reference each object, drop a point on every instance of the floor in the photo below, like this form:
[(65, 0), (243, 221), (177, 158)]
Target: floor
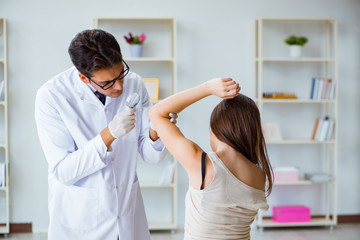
[(348, 231)]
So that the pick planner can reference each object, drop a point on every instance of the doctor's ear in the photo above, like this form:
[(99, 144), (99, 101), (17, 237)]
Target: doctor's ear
[(83, 78)]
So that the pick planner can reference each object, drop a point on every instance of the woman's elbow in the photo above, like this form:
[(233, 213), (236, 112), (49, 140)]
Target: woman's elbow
[(152, 113)]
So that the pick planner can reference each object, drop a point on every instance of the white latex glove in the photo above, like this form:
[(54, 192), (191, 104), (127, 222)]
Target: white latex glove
[(173, 117), (122, 123)]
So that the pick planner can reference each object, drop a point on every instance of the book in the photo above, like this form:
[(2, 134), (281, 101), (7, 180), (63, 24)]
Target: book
[(315, 128), (318, 130), (330, 129), (328, 88), (332, 90), (316, 88), (323, 90), (324, 129), (313, 82), (320, 88)]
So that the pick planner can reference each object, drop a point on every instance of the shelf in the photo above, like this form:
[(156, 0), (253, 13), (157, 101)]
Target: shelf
[(295, 101), (314, 222), (158, 60), (156, 185), (299, 19), (133, 19), (275, 70), (301, 141), (300, 182), (5, 190), (4, 229), (286, 59), (149, 59), (162, 226)]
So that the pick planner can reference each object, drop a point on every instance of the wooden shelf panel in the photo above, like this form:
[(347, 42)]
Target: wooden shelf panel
[(314, 222), (311, 101), (134, 19), (162, 226), (299, 19), (144, 59), (300, 182), (156, 185), (294, 60), (300, 141)]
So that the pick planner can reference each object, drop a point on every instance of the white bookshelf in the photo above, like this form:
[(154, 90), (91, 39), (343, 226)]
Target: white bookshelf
[(158, 61), (275, 71), (4, 156)]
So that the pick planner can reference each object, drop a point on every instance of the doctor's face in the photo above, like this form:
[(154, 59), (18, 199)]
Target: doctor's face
[(110, 81)]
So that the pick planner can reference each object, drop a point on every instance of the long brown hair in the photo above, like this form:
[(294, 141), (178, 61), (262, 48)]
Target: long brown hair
[(237, 123)]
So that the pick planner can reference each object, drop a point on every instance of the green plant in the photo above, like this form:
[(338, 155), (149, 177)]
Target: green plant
[(294, 40)]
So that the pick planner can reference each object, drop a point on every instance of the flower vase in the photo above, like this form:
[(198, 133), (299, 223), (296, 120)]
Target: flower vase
[(295, 51), (136, 50)]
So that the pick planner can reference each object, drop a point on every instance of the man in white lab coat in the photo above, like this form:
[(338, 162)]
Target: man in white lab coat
[(91, 147)]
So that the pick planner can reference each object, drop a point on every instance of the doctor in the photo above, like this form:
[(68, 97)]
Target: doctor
[(92, 147)]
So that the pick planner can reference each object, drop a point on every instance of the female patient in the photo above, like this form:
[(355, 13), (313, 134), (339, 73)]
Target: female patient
[(227, 186)]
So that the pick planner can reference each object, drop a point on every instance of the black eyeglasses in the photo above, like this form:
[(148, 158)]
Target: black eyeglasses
[(108, 84)]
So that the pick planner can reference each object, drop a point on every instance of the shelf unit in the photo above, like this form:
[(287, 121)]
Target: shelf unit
[(158, 61), (4, 156), (275, 71)]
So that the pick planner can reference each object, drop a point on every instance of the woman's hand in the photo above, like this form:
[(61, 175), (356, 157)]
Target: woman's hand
[(223, 87)]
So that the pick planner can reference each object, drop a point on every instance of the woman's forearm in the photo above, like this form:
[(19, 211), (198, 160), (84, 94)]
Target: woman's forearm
[(179, 101), (221, 87)]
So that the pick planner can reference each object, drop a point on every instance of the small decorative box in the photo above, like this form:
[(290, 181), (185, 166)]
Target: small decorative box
[(289, 214), (286, 174)]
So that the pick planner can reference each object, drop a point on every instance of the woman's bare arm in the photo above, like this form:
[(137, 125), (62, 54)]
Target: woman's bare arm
[(184, 150)]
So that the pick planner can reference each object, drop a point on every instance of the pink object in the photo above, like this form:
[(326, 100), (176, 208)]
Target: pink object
[(142, 37), (289, 214), (286, 174)]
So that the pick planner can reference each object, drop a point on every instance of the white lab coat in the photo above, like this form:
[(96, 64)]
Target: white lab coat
[(94, 194)]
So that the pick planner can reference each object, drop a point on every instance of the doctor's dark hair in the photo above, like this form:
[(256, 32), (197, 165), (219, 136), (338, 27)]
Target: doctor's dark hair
[(93, 50), (237, 123)]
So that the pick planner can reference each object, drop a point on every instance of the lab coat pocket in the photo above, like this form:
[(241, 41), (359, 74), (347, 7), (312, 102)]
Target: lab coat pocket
[(80, 208)]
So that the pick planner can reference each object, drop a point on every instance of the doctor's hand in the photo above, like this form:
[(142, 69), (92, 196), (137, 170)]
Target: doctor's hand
[(122, 123), (172, 119)]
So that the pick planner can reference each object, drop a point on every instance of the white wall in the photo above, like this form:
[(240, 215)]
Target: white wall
[(215, 38)]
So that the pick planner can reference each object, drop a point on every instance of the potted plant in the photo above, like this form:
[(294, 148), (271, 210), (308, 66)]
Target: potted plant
[(296, 43), (136, 43)]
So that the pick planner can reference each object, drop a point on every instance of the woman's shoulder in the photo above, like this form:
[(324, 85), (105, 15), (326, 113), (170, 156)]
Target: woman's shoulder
[(240, 171)]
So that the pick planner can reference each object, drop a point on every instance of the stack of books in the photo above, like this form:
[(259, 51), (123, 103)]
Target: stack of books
[(322, 88), (323, 129), (279, 95)]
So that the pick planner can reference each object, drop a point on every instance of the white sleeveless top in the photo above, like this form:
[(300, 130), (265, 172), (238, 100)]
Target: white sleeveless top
[(223, 210)]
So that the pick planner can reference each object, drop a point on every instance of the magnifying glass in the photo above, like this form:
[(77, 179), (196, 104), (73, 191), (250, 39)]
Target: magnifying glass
[(132, 100)]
